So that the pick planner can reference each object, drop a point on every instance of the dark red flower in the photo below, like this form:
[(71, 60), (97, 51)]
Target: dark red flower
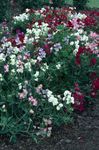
[(93, 61), (47, 49), (95, 84), (92, 75), (69, 24), (78, 101), (93, 94), (89, 21), (80, 51)]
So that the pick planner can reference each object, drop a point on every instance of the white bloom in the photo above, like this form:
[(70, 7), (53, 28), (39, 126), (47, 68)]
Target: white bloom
[(44, 67), (31, 111), (67, 93), (36, 74), (72, 43), (59, 106), (58, 66), (16, 50), (50, 99), (20, 86), (2, 57), (33, 61), (55, 101), (49, 93), (28, 66), (3, 107), (1, 77), (68, 97)]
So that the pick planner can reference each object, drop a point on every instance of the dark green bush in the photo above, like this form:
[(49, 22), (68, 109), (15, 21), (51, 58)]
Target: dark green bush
[(80, 4), (5, 7)]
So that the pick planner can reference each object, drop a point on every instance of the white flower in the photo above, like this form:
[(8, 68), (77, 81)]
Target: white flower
[(28, 66), (2, 57), (68, 97), (67, 93), (49, 93), (20, 86), (58, 66), (3, 107), (70, 100), (59, 106), (13, 71), (33, 61), (84, 38), (36, 74), (72, 43), (31, 111), (16, 50), (50, 99), (44, 67), (1, 77), (21, 18), (55, 101)]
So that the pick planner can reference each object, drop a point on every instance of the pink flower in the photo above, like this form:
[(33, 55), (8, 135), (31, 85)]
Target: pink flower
[(93, 34), (21, 95), (6, 68), (33, 100)]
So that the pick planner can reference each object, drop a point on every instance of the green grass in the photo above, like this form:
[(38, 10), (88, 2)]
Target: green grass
[(91, 3)]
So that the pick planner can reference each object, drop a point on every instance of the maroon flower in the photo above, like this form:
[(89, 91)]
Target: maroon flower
[(80, 51), (95, 84), (93, 75), (78, 101), (93, 94), (93, 61)]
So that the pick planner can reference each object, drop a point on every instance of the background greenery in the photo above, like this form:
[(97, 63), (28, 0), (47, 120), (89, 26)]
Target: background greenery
[(7, 7)]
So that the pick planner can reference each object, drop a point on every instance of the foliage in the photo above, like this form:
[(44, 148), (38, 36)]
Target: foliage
[(80, 4)]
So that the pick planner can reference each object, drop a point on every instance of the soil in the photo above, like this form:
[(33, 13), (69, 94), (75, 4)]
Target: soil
[(81, 135)]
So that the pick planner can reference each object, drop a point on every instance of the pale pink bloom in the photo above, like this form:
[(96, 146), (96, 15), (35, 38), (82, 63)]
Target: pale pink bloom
[(21, 95), (93, 34), (75, 23), (79, 37), (6, 68), (39, 88), (33, 100), (92, 46)]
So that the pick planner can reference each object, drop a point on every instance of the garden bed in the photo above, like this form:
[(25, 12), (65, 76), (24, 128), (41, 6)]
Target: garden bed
[(49, 62)]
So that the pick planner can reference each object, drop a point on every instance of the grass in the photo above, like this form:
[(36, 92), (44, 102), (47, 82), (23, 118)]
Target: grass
[(91, 3)]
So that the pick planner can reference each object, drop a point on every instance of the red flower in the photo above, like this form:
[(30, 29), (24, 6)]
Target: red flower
[(47, 49), (80, 51), (78, 101), (95, 84), (89, 21), (69, 24), (93, 61), (93, 75), (93, 94)]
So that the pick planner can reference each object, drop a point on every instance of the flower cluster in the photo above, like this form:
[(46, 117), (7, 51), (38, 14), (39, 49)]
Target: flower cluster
[(49, 65)]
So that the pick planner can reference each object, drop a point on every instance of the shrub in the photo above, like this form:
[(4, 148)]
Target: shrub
[(80, 4), (47, 71)]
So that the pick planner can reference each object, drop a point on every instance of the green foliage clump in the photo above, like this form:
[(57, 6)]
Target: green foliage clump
[(80, 4)]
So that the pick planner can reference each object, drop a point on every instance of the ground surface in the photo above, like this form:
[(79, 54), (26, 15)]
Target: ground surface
[(82, 135)]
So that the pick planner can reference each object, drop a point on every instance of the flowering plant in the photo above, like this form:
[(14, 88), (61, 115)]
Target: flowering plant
[(47, 71)]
